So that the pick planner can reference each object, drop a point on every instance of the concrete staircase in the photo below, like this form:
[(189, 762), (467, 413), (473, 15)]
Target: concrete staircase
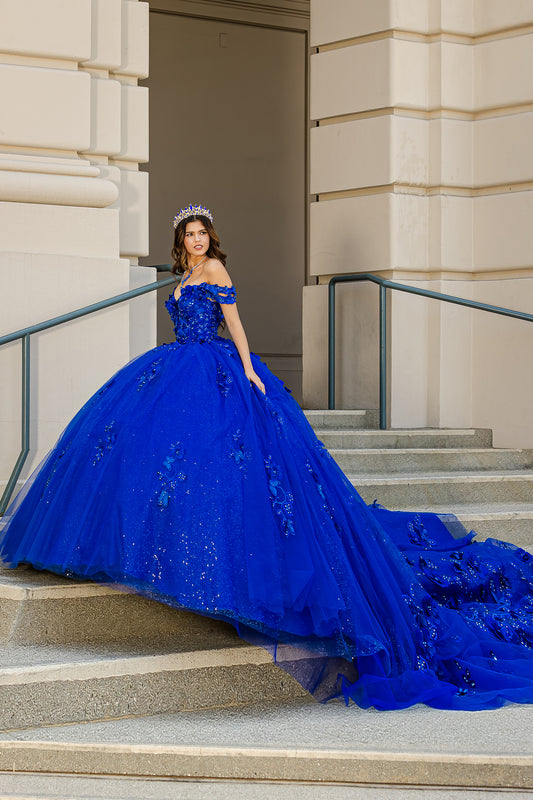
[(74, 652), (443, 470), (156, 694)]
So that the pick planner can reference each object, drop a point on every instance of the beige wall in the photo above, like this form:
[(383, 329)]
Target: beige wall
[(73, 204), (423, 170), (421, 167), (231, 133)]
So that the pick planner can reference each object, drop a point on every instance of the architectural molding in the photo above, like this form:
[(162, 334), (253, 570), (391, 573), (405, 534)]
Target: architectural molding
[(296, 7), (429, 114), (280, 13), (49, 166), (56, 181), (57, 190), (428, 190), (409, 275), (37, 152), (38, 61), (299, 8), (426, 38)]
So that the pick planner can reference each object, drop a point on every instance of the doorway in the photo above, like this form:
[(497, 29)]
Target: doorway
[(228, 128)]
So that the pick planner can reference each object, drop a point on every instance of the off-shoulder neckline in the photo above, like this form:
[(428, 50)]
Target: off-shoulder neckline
[(202, 283)]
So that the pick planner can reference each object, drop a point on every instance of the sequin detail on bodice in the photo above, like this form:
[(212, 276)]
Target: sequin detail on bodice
[(197, 314)]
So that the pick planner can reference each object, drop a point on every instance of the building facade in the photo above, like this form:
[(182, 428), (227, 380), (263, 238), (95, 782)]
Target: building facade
[(422, 167), (330, 137), (73, 203)]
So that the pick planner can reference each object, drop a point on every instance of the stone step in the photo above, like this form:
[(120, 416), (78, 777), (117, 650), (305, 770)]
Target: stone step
[(345, 420), (412, 460), (52, 685), (77, 651), (303, 744), (41, 608), (449, 490), (418, 437), (514, 524)]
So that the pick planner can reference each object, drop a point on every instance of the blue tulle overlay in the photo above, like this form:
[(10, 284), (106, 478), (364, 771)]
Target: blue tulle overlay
[(181, 481)]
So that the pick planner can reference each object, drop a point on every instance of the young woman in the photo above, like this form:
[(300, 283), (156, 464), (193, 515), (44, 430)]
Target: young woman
[(193, 478)]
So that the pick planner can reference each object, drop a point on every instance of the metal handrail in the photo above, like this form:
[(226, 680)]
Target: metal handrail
[(400, 287), (25, 333)]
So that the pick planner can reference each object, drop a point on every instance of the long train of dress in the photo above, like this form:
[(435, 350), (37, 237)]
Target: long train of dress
[(181, 481)]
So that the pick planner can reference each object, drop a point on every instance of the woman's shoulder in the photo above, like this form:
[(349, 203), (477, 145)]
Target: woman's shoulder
[(218, 282), (216, 273)]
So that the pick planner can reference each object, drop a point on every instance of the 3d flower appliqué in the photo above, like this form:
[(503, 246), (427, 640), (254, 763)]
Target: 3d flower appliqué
[(105, 443), (281, 499), (149, 374), (170, 476)]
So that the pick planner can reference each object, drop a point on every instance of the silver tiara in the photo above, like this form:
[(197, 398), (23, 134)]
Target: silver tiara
[(192, 211)]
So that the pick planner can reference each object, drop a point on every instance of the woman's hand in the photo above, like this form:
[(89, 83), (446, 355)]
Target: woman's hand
[(253, 377)]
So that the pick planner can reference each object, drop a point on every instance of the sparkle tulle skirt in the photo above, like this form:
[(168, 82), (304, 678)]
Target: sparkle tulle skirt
[(181, 481)]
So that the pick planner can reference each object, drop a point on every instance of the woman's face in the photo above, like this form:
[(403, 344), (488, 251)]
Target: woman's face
[(196, 239)]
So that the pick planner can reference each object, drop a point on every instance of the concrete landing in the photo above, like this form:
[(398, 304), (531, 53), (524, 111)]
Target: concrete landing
[(301, 742), (63, 787)]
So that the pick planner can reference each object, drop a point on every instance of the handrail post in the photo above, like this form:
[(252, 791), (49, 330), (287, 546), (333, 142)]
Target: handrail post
[(26, 396), (382, 358), (25, 425), (24, 335), (331, 345)]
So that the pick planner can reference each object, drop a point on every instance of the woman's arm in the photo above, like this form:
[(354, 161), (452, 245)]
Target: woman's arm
[(216, 273)]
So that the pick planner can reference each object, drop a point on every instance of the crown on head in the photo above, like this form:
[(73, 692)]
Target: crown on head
[(192, 211)]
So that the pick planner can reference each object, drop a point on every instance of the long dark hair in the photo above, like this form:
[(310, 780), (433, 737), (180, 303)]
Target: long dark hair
[(179, 253)]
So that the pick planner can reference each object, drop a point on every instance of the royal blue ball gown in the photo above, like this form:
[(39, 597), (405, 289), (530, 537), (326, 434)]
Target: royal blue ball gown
[(181, 481)]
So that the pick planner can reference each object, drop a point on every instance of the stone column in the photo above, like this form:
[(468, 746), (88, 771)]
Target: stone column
[(73, 204), (422, 169)]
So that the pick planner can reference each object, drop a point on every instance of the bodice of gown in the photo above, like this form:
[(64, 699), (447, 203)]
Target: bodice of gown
[(197, 314)]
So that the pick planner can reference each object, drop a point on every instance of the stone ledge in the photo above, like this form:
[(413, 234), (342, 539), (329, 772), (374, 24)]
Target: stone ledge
[(312, 766), (113, 667), (95, 691)]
